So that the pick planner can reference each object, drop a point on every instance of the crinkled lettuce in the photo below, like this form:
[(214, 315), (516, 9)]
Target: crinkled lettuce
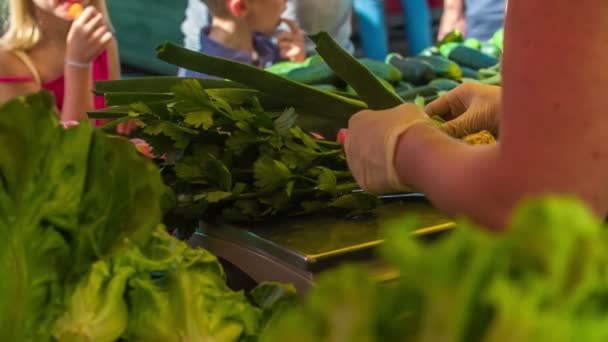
[(68, 198), (186, 297), (545, 279)]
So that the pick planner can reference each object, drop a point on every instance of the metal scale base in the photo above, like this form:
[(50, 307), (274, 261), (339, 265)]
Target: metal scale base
[(298, 250)]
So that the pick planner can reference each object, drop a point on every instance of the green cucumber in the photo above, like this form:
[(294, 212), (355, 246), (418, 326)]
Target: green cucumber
[(383, 71), (442, 67), (430, 51), (452, 37), (444, 84), (424, 91), (375, 94), (326, 87), (447, 48), (318, 73), (490, 49), (156, 84), (414, 71), (313, 101), (403, 86), (472, 43), (468, 72), (498, 38), (283, 68), (472, 58)]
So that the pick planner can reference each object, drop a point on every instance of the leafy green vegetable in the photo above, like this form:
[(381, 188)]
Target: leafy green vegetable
[(217, 142), (188, 300), (67, 197), (96, 309), (84, 256), (542, 280)]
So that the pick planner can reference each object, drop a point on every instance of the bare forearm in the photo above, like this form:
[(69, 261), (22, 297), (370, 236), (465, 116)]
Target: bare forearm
[(453, 5), (459, 179), (78, 96)]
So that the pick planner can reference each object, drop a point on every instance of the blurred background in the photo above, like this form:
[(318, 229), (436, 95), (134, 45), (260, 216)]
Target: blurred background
[(141, 25)]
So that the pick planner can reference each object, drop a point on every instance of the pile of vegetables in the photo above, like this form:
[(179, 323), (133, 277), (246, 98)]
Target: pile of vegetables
[(544, 279), (436, 69), (84, 255)]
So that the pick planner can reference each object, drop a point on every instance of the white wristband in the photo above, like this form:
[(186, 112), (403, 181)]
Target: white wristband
[(76, 64)]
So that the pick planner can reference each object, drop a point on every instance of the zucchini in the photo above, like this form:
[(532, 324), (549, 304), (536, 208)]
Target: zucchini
[(375, 94), (310, 100), (472, 58), (441, 66), (383, 71), (424, 91), (444, 84), (414, 71)]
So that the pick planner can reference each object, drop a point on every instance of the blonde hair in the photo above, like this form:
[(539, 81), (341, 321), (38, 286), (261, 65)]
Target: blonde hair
[(22, 31)]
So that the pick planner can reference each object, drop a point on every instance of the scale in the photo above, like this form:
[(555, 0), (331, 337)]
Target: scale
[(298, 250)]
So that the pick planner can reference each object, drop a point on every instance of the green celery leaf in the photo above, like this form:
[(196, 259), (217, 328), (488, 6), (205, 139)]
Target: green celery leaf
[(202, 118), (190, 90), (217, 196), (217, 173), (284, 123), (327, 180), (180, 135), (270, 174)]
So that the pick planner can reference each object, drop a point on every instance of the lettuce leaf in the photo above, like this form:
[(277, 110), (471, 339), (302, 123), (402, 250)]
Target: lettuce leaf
[(543, 280), (67, 199)]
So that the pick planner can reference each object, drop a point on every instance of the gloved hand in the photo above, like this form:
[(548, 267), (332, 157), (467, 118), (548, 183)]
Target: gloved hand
[(371, 142), (469, 108)]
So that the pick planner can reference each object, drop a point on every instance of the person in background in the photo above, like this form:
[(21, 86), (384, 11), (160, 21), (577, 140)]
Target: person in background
[(477, 19), (332, 16), (372, 28), (241, 30), (552, 133), (373, 32), (60, 46)]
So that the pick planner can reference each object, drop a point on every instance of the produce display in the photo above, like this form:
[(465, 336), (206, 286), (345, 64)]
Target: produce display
[(85, 257), (241, 148), (437, 69)]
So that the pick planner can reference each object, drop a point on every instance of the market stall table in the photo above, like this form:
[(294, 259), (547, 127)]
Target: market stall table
[(298, 250)]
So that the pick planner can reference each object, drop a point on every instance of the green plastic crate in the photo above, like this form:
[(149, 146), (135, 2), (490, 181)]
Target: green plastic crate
[(142, 25)]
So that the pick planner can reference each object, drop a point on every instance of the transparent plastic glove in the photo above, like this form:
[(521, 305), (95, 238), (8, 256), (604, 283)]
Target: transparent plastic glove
[(469, 108), (371, 142)]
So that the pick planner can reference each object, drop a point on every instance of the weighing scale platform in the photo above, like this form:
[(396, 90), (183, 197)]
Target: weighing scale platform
[(297, 250)]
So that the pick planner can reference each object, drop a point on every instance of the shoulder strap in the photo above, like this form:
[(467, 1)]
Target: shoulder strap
[(29, 64)]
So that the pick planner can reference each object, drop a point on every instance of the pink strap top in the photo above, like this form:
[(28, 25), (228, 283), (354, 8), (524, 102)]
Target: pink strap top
[(100, 69)]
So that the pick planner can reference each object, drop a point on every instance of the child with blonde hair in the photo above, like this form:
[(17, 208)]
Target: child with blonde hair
[(62, 46)]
